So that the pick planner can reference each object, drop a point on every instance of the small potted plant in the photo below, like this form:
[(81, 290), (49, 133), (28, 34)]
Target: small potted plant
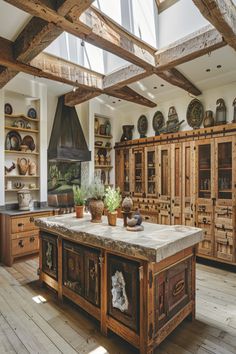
[(79, 200), (112, 202), (96, 205)]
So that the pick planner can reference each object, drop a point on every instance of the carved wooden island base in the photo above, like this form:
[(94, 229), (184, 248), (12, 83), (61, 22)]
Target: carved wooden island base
[(140, 285)]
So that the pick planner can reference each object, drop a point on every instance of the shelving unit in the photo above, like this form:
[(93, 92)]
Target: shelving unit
[(23, 126), (103, 152)]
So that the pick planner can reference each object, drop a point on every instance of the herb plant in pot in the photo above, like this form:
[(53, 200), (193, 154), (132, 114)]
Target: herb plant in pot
[(79, 199), (96, 205), (112, 202)]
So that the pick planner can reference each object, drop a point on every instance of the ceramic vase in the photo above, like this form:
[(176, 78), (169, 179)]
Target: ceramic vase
[(96, 208), (24, 199), (208, 119)]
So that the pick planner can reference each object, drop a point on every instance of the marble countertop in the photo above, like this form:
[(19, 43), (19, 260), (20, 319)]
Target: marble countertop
[(155, 243)]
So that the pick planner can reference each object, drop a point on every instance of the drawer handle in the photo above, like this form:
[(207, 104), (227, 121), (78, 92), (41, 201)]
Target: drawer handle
[(20, 224), (178, 287), (21, 243), (31, 219), (32, 239)]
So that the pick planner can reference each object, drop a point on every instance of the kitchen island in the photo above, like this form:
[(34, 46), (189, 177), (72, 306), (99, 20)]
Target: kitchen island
[(140, 285)]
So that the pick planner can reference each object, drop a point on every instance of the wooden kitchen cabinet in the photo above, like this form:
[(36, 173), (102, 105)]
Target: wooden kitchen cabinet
[(19, 235), (194, 184)]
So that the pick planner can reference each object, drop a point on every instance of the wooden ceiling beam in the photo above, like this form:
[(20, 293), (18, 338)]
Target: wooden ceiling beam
[(222, 15), (128, 94), (64, 7), (199, 43), (79, 96), (96, 28), (176, 78), (49, 67)]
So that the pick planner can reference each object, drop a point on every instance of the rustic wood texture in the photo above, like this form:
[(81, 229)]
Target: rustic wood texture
[(222, 15), (79, 96), (60, 327), (128, 94), (65, 6), (201, 42), (176, 78)]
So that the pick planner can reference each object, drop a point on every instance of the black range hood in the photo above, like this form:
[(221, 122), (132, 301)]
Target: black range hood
[(67, 141)]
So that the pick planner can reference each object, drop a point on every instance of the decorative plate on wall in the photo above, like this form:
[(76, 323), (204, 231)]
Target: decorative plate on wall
[(142, 126), (158, 122), (13, 141), (29, 141), (195, 113), (32, 113), (8, 108)]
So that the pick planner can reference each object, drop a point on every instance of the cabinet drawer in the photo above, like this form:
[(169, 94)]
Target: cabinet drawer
[(25, 244), (25, 223)]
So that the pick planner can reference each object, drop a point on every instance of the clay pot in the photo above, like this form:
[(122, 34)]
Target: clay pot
[(23, 165), (79, 210), (96, 208), (112, 217), (32, 168), (24, 199), (208, 119)]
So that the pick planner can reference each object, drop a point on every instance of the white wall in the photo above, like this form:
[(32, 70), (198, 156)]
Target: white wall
[(208, 99)]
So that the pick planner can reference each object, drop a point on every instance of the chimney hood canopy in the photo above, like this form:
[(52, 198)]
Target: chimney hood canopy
[(67, 141)]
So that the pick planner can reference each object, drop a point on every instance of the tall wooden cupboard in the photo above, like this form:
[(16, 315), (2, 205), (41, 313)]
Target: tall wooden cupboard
[(185, 178)]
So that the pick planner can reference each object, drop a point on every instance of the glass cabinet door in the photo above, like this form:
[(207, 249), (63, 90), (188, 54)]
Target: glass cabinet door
[(126, 171), (151, 171), (164, 184), (176, 184), (224, 170), (204, 171), (138, 160), (188, 183)]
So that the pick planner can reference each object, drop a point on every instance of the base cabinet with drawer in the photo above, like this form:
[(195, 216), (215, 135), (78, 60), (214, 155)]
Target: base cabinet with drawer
[(140, 301), (19, 235)]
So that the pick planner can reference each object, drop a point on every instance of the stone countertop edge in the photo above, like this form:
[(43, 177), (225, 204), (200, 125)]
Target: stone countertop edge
[(15, 212), (160, 249)]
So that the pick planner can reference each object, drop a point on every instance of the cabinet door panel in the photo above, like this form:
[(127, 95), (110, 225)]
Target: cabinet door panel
[(49, 254), (123, 291), (73, 267), (188, 185), (151, 171), (92, 276), (164, 185), (138, 168), (176, 184)]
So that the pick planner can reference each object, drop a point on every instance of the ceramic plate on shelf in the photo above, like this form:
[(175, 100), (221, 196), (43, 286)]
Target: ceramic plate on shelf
[(158, 121), (8, 108), (13, 141), (19, 123), (142, 125), (195, 114), (29, 141), (32, 113)]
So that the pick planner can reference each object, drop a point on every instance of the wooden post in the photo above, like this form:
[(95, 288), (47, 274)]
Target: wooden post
[(104, 290)]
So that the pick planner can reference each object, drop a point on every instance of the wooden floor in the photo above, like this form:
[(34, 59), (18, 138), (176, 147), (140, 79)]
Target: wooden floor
[(30, 325)]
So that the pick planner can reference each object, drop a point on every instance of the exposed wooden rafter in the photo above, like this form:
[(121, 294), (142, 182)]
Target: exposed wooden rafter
[(79, 96), (174, 77), (206, 40), (64, 7), (124, 76), (222, 15)]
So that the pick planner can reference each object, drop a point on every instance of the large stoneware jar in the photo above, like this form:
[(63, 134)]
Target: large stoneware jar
[(24, 199), (96, 207)]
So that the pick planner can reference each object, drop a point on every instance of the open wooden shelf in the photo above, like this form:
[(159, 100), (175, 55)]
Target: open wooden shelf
[(21, 129), (15, 116), (104, 166), (21, 152), (21, 176), (17, 190), (103, 136)]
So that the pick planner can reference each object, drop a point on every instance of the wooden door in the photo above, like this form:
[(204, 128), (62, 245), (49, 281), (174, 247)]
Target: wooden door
[(164, 185), (73, 267), (176, 184), (151, 171), (123, 291), (225, 182), (205, 193), (49, 254), (188, 184), (92, 276), (138, 172)]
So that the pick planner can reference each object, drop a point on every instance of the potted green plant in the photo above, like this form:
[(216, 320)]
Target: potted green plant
[(112, 202), (96, 205), (79, 200)]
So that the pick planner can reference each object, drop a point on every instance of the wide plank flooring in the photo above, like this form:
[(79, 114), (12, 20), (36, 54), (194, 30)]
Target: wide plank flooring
[(33, 321)]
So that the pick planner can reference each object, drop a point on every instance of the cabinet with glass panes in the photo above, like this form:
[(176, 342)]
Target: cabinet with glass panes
[(138, 165)]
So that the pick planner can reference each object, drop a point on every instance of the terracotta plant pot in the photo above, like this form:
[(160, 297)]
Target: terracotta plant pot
[(96, 208), (112, 217), (79, 210)]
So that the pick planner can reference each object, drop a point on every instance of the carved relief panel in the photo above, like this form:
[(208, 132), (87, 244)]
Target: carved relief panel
[(123, 291), (49, 254)]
